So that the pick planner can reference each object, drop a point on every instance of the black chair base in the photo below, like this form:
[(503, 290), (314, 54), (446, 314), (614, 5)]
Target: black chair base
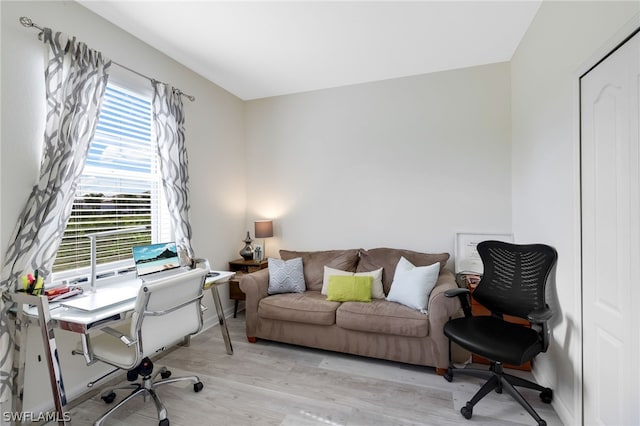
[(499, 380)]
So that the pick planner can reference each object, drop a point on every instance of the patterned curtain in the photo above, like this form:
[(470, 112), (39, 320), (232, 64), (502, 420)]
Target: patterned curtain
[(75, 79), (169, 121)]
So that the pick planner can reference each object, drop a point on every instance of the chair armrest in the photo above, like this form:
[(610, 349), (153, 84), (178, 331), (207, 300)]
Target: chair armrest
[(118, 335), (540, 315), (463, 295), (254, 286), (456, 292)]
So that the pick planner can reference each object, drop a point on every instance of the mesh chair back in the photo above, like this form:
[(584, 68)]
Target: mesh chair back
[(515, 276), (168, 310)]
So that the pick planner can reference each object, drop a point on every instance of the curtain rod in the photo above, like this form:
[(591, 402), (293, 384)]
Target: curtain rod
[(27, 22)]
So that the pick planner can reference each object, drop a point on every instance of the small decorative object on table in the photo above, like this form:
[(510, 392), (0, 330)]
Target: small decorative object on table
[(247, 250), (257, 254), (32, 284)]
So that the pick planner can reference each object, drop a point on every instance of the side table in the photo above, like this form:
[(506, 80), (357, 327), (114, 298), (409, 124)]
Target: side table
[(241, 267)]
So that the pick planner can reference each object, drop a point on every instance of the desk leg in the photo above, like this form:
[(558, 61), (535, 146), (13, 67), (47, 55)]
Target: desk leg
[(19, 360), (221, 319), (53, 361), (51, 353)]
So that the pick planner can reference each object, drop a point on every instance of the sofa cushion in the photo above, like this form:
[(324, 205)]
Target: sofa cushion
[(314, 262), (383, 317), (309, 307), (387, 258)]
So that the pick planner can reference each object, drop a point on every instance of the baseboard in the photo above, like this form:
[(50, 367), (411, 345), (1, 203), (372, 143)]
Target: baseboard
[(558, 404)]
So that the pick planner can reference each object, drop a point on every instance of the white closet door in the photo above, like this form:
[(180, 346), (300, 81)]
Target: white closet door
[(610, 94)]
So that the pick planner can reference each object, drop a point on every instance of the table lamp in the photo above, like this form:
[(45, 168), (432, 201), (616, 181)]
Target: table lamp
[(264, 229)]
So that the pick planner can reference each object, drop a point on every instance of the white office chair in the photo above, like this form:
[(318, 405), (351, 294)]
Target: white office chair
[(166, 311)]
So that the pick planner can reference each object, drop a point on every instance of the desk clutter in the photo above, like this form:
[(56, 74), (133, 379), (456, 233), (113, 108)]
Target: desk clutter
[(32, 283), (60, 293)]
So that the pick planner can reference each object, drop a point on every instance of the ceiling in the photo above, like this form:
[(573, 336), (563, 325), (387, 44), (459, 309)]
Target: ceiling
[(261, 49)]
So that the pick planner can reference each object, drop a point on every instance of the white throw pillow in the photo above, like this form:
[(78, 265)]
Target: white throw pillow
[(286, 276), (377, 291), (412, 285)]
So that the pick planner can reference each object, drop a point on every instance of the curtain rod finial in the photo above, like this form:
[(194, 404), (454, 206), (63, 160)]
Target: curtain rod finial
[(27, 22)]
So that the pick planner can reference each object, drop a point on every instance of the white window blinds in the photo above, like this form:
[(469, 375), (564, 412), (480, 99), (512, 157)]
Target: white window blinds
[(119, 187)]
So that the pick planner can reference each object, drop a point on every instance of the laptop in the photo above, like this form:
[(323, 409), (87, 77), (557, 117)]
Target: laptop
[(152, 262), (156, 261)]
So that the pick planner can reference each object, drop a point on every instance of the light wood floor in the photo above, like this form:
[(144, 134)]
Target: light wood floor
[(267, 383)]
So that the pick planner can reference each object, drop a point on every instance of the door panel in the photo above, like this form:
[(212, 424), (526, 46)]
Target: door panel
[(610, 163)]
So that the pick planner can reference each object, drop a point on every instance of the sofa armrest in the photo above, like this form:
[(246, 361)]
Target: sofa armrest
[(441, 308), (446, 281), (254, 286)]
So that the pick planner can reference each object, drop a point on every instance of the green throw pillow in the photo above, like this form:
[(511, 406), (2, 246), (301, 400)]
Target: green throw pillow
[(349, 288)]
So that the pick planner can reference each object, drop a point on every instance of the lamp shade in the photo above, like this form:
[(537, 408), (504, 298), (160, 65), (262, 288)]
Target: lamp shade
[(264, 228)]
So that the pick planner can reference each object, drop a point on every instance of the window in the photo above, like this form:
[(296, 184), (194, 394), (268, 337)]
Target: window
[(120, 187)]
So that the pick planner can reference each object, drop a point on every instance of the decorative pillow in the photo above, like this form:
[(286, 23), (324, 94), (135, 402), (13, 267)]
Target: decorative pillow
[(314, 261), (412, 285), (349, 288), (376, 288), (387, 259), (285, 276), (329, 272)]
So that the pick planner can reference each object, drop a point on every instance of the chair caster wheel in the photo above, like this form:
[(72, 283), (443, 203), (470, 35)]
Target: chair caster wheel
[(466, 412), (197, 387), (109, 398), (542, 423), (132, 375), (546, 396), (164, 422), (165, 374), (448, 376)]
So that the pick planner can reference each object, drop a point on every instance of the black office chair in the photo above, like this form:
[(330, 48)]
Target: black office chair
[(513, 283)]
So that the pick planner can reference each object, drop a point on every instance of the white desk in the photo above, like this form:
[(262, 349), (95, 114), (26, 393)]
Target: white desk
[(54, 315), (80, 321)]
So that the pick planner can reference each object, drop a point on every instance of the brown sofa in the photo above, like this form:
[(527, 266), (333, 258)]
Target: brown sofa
[(379, 329)]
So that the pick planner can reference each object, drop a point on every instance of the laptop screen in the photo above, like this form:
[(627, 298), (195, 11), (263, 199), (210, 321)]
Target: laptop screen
[(155, 258)]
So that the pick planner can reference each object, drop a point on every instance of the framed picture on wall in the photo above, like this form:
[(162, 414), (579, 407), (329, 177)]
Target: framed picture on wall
[(467, 260)]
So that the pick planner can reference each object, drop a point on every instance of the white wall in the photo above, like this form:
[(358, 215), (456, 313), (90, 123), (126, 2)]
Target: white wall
[(215, 142), (562, 39), (399, 163)]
